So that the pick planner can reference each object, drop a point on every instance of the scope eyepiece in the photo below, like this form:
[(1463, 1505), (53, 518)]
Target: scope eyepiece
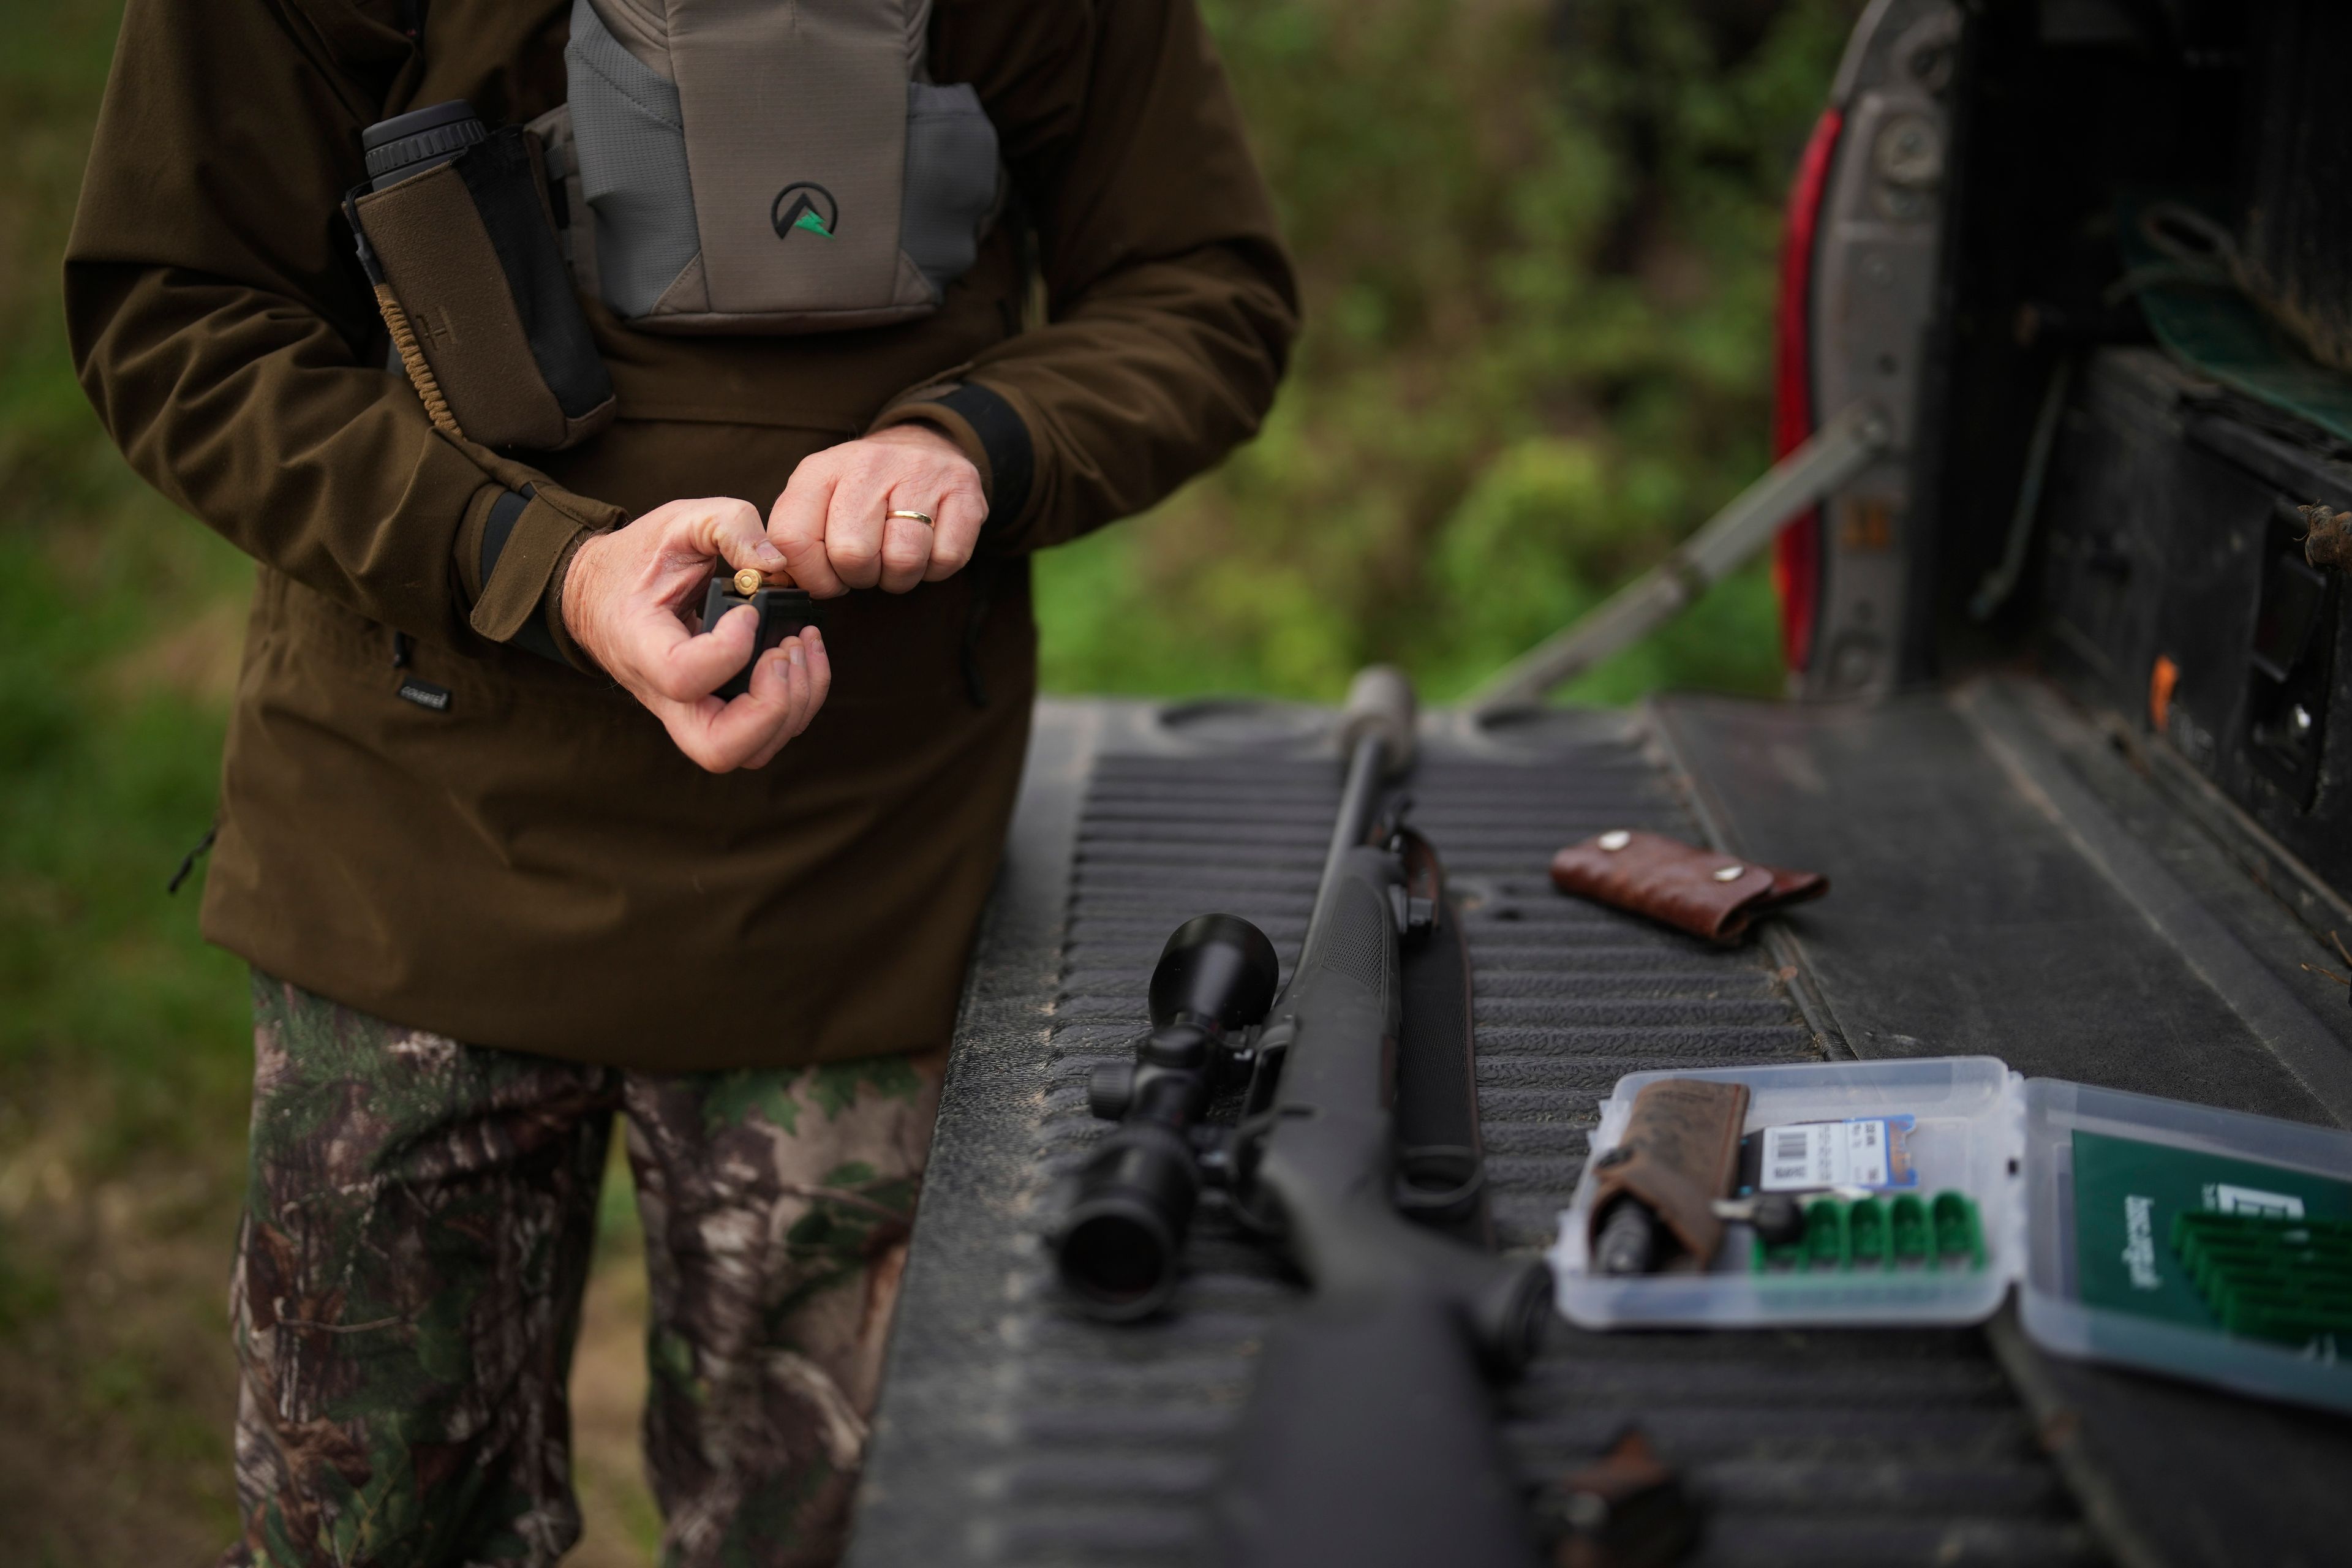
[(1118, 1244)]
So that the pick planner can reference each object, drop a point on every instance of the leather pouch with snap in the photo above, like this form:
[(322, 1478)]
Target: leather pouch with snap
[(1703, 891), (471, 281)]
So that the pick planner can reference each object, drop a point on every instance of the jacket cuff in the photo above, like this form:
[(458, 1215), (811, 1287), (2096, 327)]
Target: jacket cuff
[(989, 432), (551, 609), (510, 555)]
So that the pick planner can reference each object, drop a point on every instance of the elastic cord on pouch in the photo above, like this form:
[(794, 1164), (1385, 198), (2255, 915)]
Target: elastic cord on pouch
[(403, 335), (412, 358)]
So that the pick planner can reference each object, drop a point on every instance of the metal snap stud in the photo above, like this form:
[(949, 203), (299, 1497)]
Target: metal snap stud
[(1613, 841)]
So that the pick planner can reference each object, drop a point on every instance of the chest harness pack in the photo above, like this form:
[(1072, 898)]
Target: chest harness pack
[(719, 167)]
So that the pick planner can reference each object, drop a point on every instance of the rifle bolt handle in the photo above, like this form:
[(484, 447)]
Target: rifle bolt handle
[(1413, 917)]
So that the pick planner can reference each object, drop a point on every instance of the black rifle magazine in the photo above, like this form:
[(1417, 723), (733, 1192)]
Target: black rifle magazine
[(783, 611)]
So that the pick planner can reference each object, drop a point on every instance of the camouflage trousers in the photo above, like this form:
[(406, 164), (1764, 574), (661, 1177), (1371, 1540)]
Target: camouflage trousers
[(416, 1237)]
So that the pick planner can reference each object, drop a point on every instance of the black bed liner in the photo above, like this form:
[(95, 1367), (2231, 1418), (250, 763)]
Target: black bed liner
[(1012, 1431)]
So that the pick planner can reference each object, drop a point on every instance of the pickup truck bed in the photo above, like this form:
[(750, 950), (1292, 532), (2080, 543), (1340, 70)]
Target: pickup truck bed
[(2005, 881)]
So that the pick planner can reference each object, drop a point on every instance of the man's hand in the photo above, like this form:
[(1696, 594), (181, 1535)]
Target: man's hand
[(832, 521), (625, 601)]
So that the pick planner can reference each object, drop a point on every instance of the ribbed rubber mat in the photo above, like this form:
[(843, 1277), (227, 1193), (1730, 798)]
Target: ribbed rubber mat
[(1817, 1448)]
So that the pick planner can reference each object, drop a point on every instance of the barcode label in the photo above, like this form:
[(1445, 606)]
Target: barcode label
[(1791, 1157), (1832, 1155)]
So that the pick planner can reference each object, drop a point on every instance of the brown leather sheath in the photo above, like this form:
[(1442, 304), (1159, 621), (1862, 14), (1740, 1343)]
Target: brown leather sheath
[(1680, 1152), (1703, 891)]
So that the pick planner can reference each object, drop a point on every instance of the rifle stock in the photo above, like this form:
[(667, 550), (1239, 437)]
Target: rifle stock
[(1369, 1439)]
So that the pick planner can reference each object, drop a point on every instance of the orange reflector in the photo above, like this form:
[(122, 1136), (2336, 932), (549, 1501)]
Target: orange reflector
[(2160, 682)]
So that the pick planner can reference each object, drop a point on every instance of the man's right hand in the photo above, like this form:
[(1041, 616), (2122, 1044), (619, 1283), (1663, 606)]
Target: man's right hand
[(625, 600)]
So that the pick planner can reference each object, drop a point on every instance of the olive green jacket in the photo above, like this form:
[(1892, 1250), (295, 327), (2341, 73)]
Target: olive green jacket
[(524, 859)]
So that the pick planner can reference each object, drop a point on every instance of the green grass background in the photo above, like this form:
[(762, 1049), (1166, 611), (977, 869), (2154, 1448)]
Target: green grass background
[(1538, 247)]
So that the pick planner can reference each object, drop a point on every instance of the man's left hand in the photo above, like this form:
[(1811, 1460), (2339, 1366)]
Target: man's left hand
[(833, 524)]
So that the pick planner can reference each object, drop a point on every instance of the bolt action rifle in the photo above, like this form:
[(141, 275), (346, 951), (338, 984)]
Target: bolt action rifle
[(1370, 1438)]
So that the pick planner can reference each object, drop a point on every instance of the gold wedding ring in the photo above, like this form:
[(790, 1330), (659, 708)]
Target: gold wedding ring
[(922, 517)]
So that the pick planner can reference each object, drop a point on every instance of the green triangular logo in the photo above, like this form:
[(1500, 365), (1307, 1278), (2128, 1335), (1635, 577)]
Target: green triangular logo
[(814, 223)]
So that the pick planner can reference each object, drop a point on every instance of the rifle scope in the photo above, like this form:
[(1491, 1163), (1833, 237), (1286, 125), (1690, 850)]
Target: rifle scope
[(1119, 1240)]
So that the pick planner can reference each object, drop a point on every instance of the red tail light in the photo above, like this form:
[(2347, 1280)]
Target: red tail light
[(1797, 562)]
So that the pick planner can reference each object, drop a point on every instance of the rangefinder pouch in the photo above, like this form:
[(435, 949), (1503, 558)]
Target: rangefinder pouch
[(471, 283)]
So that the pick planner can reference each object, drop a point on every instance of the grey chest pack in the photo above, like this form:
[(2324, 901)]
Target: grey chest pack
[(767, 165), (719, 167)]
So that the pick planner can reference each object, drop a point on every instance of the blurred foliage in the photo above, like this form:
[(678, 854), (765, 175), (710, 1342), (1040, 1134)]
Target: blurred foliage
[(1538, 244), (123, 1055), (118, 628)]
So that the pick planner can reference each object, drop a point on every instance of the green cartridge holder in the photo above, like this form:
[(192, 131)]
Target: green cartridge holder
[(1844, 1234), (2288, 1280)]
